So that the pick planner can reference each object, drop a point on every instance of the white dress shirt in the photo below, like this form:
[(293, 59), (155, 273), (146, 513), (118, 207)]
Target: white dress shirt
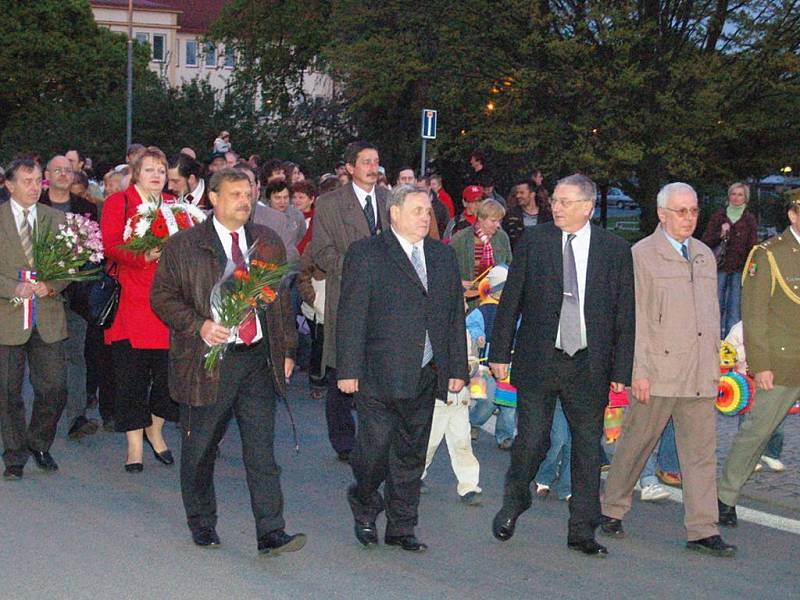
[(580, 249), (795, 234), (197, 193), (227, 244), (362, 200), (19, 218), (408, 248)]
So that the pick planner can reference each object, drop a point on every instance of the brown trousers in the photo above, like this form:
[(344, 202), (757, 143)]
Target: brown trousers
[(695, 436)]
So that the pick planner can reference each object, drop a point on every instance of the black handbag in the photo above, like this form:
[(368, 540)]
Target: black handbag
[(96, 300), (720, 250)]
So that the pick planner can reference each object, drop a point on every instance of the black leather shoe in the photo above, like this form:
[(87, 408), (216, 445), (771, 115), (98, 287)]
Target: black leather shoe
[(134, 467), (503, 526), (589, 548), (164, 457), (81, 427), (278, 541), (206, 537), (611, 527), (712, 545), (406, 542), (12, 473), (727, 514), (43, 460), (366, 533)]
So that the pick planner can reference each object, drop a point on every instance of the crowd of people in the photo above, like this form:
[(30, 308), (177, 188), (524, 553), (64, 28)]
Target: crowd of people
[(406, 309)]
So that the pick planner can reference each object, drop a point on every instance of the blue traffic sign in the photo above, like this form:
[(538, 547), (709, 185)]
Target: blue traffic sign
[(428, 124)]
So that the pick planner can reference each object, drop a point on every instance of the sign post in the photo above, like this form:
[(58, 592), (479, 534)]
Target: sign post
[(428, 133)]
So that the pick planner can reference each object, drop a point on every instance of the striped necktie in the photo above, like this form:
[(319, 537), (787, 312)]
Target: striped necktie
[(419, 267), (26, 237)]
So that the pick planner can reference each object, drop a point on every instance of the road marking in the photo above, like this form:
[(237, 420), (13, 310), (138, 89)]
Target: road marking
[(743, 513)]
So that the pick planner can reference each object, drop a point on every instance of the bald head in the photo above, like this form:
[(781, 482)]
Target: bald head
[(60, 173)]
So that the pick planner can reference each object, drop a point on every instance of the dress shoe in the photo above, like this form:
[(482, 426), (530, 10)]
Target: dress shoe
[(472, 498), (164, 457), (727, 514), (344, 456), (611, 527), (366, 533), (12, 473), (503, 526), (206, 537), (134, 467), (81, 427), (278, 541), (712, 545), (406, 542), (589, 548), (43, 460)]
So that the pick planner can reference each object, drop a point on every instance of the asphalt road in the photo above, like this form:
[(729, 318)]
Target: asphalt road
[(93, 531)]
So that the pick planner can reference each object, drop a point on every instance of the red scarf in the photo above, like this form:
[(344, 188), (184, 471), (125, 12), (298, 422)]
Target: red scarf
[(487, 254), (301, 245)]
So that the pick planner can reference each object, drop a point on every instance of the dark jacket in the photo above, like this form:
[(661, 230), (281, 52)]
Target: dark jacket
[(742, 236), (77, 205), (384, 312), (514, 223), (534, 291), (190, 265)]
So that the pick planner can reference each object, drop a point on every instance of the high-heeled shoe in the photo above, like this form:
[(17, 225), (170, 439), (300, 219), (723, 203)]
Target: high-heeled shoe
[(164, 457)]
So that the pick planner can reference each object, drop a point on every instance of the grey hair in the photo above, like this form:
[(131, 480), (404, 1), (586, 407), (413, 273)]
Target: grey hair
[(666, 192), (743, 186), (587, 187), (399, 193)]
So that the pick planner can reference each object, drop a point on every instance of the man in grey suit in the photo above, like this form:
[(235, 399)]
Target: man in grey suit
[(349, 213), (41, 344)]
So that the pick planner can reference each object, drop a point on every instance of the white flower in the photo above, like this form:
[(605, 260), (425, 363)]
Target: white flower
[(142, 227), (126, 234)]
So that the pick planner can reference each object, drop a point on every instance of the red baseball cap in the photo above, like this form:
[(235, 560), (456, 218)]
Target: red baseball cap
[(472, 193)]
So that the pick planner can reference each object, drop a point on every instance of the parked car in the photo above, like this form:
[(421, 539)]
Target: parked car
[(618, 198)]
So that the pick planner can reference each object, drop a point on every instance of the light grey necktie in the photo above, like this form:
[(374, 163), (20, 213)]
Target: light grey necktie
[(419, 267), (26, 237), (570, 321)]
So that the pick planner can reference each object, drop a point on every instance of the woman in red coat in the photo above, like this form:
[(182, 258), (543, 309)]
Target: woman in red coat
[(139, 340)]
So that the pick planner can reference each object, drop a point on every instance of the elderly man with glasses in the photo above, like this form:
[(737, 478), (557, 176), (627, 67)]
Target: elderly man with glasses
[(675, 370)]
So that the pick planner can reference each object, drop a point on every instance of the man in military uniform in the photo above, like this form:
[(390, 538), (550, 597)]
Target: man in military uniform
[(771, 319)]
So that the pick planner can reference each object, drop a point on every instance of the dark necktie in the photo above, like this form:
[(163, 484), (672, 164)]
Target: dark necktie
[(189, 198), (369, 214), (247, 330), (685, 251), (570, 321)]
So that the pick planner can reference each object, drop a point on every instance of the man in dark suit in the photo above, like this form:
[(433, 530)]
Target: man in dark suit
[(572, 284), (400, 343), (245, 383), (349, 213), (42, 345)]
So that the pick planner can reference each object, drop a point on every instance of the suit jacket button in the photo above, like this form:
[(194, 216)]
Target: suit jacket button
[(698, 394), (699, 333), (666, 351)]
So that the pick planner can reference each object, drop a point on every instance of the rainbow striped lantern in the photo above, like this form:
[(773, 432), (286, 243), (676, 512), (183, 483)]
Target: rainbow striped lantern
[(506, 394), (735, 393)]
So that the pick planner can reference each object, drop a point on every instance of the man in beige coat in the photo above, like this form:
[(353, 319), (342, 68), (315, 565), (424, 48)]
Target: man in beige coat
[(675, 370), (41, 345)]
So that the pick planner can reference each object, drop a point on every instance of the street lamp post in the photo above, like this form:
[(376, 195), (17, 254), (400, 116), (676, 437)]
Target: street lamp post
[(129, 112)]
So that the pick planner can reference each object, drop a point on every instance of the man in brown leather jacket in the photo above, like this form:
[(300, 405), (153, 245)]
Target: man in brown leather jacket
[(246, 382)]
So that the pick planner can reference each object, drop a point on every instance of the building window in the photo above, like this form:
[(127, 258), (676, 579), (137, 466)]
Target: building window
[(230, 58), (211, 55), (191, 53), (159, 47), (142, 38)]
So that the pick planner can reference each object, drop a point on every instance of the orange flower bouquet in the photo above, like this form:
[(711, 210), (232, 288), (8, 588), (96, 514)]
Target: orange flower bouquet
[(237, 293)]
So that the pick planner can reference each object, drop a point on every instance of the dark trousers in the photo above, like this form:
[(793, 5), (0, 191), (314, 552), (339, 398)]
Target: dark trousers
[(99, 371), (390, 448), (141, 387), (339, 415), (316, 374), (246, 391), (583, 406), (48, 372)]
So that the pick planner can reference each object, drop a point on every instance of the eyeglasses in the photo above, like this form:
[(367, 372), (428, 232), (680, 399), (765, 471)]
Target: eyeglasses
[(565, 203), (685, 212), (63, 171)]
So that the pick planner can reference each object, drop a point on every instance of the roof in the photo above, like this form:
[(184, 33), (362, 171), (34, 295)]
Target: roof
[(194, 16)]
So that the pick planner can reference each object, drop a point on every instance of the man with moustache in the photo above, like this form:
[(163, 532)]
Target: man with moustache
[(675, 370), (259, 358), (401, 343), (60, 173), (354, 211), (571, 283)]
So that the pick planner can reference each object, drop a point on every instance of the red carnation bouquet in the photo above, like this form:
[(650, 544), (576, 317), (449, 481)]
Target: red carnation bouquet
[(237, 293), (155, 221)]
